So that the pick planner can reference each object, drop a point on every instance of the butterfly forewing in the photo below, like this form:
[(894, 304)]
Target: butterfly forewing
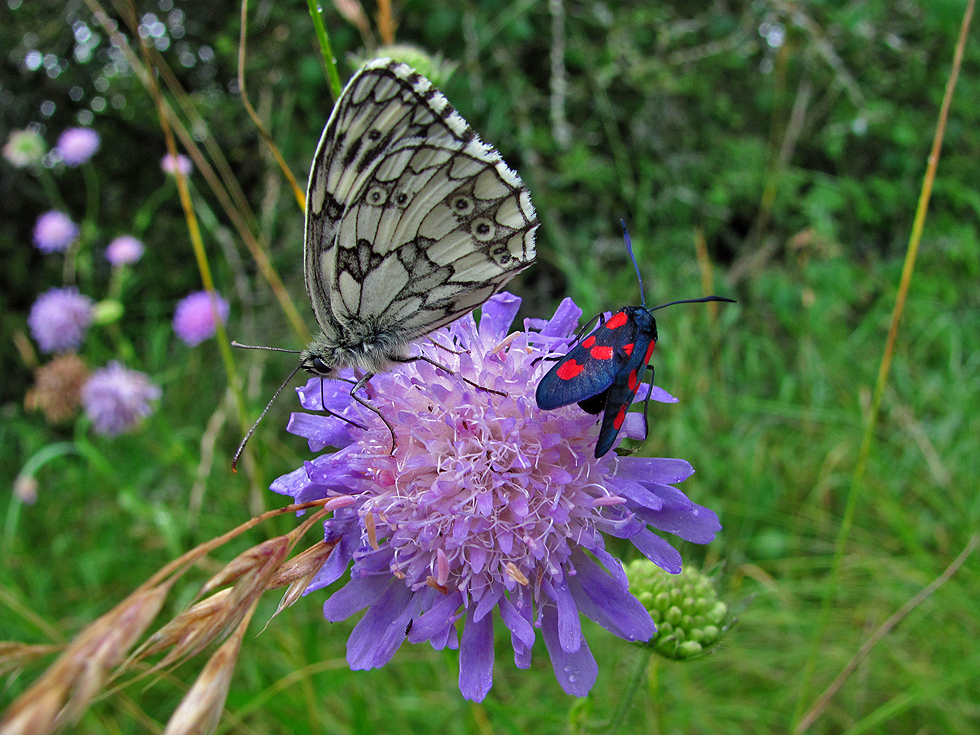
[(412, 221)]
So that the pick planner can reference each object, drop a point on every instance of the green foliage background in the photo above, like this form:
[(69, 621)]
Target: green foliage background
[(793, 136)]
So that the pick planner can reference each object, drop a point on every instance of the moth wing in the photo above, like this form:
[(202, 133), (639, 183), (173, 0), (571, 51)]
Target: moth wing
[(619, 398), (591, 367)]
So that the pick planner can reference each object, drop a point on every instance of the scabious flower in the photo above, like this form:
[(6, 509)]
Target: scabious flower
[(57, 390), (487, 505), (77, 145), (124, 250), (172, 164), (116, 398), (24, 148), (194, 318), (54, 232), (59, 319)]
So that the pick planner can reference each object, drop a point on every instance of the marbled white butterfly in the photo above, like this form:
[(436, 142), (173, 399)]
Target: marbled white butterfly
[(411, 222)]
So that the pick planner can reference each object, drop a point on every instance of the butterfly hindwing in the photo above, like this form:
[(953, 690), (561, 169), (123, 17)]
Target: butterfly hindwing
[(412, 221)]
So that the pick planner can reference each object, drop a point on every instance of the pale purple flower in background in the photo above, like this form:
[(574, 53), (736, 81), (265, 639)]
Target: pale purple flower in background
[(171, 164), (24, 148), (487, 505), (116, 398), (124, 250), (77, 145), (194, 317), (59, 319), (54, 232)]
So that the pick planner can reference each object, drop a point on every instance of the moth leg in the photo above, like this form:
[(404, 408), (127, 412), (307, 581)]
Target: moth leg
[(423, 358), (353, 394), (646, 406)]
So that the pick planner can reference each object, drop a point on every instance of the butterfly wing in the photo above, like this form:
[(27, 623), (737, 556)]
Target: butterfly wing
[(412, 221)]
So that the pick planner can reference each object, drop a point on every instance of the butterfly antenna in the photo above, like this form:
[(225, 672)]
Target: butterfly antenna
[(629, 249), (262, 347), (695, 301), (241, 447)]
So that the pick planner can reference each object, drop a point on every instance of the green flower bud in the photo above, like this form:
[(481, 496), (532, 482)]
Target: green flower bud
[(432, 66), (685, 607), (107, 312)]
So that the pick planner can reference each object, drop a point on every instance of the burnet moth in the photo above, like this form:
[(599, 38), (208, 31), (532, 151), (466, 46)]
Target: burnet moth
[(603, 371)]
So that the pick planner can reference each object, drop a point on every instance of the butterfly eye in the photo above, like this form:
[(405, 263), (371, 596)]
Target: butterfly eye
[(483, 229), (377, 196), (319, 366), (462, 205)]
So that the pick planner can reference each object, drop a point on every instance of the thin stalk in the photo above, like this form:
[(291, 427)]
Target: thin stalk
[(830, 591), (328, 58)]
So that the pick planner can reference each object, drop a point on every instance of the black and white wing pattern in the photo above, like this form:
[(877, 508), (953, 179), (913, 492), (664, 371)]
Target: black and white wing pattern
[(412, 221)]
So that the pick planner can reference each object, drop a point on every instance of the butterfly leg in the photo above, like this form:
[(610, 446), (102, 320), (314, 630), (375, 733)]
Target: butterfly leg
[(353, 394), (323, 404), (423, 358)]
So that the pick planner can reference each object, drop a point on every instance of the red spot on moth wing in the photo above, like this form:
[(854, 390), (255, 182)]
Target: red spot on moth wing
[(569, 369), (649, 351), (589, 341), (601, 353), (633, 382), (617, 320), (620, 417), (628, 349)]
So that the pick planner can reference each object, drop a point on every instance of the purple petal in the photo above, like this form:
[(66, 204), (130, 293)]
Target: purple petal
[(638, 493), (569, 623), (602, 599), (497, 315), (476, 658), (644, 469), (657, 550), (565, 320), (517, 622), (321, 431), (356, 595), (381, 631), (697, 525), (576, 671), (436, 619)]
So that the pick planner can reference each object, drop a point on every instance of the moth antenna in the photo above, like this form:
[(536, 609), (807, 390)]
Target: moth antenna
[(235, 343), (629, 249), (241, 447), (696, 301)]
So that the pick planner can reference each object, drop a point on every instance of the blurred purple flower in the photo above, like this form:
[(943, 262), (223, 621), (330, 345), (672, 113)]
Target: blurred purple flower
[(54, 232), (24, 148), (486, 503), (171, 164), (116, 398), (124, 250), (194, 317), (77, 145), (59, 319)]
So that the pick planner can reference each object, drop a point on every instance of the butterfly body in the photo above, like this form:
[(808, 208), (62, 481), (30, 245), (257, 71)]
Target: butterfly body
[(412, 221), (603, 372)]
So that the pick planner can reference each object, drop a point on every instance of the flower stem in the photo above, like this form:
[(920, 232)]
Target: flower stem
[(627, 699)]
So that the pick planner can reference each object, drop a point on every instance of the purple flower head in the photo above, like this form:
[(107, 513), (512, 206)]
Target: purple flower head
[(194, 317), (116, 398), (172, 164), (54, 232), (124, 250), (77, 145), (59, 319), (488, 505)]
